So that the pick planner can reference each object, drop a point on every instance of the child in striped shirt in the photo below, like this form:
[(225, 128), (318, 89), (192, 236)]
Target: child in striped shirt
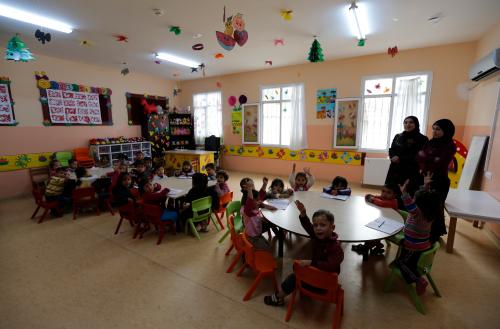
[(421, 212)]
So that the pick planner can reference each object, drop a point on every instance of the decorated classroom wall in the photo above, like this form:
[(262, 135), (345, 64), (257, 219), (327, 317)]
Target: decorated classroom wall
[(482, 104), (449, 65), (31, 136)]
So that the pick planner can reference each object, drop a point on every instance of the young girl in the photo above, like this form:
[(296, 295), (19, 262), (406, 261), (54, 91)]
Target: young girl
[(338, 187), (122, 191), (150, 195), (253, 220), (327, 255), (119, 168), (199, 190), (53, 165), (187, 170), (159, 174), (301, 181), (421, 213), (221, 187), (139, 156), (277, 190)]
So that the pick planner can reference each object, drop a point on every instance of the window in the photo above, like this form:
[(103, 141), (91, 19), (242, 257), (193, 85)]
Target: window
[(283, 120), (207, 116), (387, 100)]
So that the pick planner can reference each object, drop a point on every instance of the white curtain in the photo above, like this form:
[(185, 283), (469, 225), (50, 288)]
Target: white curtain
[(376, 114), (406, 103), (298, 136), (207, 116)]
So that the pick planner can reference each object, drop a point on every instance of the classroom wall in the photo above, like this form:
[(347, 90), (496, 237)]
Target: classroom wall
[(31, 136), (480, 114), (449, 65)]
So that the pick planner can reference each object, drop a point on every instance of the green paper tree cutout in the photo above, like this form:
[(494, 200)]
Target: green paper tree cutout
[(315, 53), (17, 51)]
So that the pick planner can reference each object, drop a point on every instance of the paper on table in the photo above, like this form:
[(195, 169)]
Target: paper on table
[(336, 197), (281, 204), (184, 177), (175, 192), (385, 225)]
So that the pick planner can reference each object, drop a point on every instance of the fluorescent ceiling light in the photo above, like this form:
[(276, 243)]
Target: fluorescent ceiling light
[(34, 19), (357, 20), (177, 60)]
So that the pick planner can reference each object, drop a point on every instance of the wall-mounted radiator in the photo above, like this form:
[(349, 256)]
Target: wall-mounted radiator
[(375, 171)]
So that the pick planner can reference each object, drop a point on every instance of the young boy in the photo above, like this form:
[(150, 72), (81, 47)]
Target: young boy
[(326, 251), (210, 168), (140, 175), (72, 165), (139, 156)]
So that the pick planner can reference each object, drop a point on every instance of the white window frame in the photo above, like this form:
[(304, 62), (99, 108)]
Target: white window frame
[(261, 110), (221, 109), (394, 76)]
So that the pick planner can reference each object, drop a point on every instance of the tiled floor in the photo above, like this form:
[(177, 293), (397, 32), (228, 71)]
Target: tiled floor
[(77, 274)]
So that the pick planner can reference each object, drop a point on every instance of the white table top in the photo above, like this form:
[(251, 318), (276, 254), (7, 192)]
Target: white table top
[(184, 184), (478, 205), (190, 152), (351, 216)]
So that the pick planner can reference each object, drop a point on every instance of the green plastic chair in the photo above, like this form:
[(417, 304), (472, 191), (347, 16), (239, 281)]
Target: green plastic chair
[(202, 210), (396, 239), (424, 266), (233, 208), (64, 157)]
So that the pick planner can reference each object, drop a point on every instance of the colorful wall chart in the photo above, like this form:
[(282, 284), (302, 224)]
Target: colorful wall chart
[(24, 161), (6, 104), (73, 107), (325, 103)]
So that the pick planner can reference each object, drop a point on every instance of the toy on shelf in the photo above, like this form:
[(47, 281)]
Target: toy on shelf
[(115, 140)]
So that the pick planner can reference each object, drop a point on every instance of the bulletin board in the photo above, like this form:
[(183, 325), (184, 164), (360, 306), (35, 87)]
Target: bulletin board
[(135, 110), (70, 104)]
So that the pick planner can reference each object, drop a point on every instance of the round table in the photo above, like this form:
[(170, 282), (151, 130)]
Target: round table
[(351, 216)]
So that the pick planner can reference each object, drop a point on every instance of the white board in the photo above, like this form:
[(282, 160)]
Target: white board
[(476, 149)]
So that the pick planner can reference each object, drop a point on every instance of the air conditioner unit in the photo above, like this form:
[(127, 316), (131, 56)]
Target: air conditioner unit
[(486, 66)]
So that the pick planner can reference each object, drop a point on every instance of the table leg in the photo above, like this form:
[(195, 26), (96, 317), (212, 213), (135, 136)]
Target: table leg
[(281, 233), (451, 235)]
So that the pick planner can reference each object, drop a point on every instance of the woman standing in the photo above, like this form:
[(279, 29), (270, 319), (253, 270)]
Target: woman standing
[(434, 158), (403, 155)]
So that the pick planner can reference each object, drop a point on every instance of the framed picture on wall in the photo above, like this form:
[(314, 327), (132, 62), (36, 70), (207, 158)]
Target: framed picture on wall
[(345, 128), (250, 131)]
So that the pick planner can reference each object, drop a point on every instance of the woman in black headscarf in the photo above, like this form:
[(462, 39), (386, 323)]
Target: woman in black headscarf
[(435, 158), (403, 155)]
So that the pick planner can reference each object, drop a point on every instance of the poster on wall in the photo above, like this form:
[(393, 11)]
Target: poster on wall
[(346, 123), (73, 107), (250, 123), (325, 103), (236, 120), (6, 111)]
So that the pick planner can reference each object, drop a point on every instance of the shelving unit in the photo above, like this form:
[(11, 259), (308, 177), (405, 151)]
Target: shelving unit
[(181, 131), (113, 150)]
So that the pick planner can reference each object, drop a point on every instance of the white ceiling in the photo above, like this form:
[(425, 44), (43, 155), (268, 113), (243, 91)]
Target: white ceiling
[(391, 22)]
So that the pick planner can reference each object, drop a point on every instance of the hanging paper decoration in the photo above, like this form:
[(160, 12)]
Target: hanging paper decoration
[(202, 68), (157, 61), (85, 43), (279, 42), (234, 32), (242, 99), (43, 81), (392, 51), (361, 42), (198, 46), (17, 51), (219, 56), (218, 84), (125, 71), (194, 69), (231, 100), (315, 53), (269, 62), (286, 14), (148, 108), (121, 38), (176, 91), (42, 36), (175, 29)]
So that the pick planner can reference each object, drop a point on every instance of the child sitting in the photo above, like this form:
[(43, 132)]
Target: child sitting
[(140, 175), (80, 173), (253, 220), (119, 168), (187, 170), (327, 255), (301, 181), (53, 165), (199, 190), (210, 168), (149, 166), (339, 187), (422, 211), (221, 187), (121, 192), (152, 195), (55, 186), (139, 156), (277, 190), (159, 174), (72, 165)]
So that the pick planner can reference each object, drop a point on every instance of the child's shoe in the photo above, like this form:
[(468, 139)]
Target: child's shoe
[(274, 300), (421, 286)]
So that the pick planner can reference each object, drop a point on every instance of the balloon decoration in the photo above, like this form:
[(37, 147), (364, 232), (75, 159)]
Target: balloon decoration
[(234, 32), (231, 100), (17, 51), (242, 99), (315, 53)]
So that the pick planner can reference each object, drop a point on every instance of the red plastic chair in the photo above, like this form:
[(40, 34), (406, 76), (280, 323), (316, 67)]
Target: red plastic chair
[(130, 212), (84, 197), (328, 282), (82, 157), (152, 215), (262, 264), (41, 203), (236, 243), (223, 202)]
